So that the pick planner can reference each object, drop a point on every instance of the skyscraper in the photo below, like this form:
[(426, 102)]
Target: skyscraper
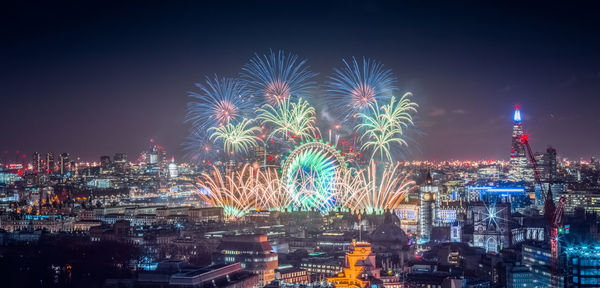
[(36, 162), (105, 161), (120, 162), (519, 169), (50, 162), (65, 164)]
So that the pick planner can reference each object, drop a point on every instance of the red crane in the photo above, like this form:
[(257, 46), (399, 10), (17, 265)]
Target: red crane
[(552, 213)]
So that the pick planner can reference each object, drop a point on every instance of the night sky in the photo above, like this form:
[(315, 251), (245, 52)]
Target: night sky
[(95, 78)]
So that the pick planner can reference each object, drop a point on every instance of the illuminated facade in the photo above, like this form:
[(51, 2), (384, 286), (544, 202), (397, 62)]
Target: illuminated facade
[(583, 266), (65, 164), (50, 162), (359, 268), (491, 226), (36, 161), (427, 194), (519, 169), (254, 253)]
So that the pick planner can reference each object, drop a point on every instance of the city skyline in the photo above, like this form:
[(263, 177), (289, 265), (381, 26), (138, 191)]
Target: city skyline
[(121, 75)]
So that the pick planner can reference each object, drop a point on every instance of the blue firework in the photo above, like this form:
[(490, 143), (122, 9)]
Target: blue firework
[(220, 101), (277, 76), (357, 85), (198, 147)]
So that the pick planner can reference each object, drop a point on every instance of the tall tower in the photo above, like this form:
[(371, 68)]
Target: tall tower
[(427, 195), (519, 169), (50, 162), (65, 164), (36, 161)]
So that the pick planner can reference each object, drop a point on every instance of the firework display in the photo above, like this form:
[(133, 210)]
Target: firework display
[(221, 101), (277, 76), (289, 118), (310, 173), (236, 138), (267, 112), (358, 85), (383, 126)]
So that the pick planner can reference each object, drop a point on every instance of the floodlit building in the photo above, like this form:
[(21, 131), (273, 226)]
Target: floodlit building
[(253, 252), (583, 266), (491, 226), (427, 194), (520, 168), (359, 268)]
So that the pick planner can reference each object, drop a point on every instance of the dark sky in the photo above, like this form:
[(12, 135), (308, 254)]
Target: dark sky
[(92, 78)]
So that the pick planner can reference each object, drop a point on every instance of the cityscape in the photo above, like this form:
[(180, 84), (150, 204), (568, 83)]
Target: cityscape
[(284, 165)]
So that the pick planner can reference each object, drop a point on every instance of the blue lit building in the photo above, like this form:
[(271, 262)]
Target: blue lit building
[(515, 195), (583, 266)]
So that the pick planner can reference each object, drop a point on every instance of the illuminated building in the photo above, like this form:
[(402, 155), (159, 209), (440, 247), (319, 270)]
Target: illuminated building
[(547, 165), (65, 164), (408, 213), (537, 260), (456, 232), (359, 269), (491, 226), (198, 215), (427, 194), (105, 161), (583, 266), (519, 167), (120, 161), (253, 252), (173, 172), (589, 200), (120, 158), (517, 196), (181, 274), (292, 275), (50, 162), (36, 162)]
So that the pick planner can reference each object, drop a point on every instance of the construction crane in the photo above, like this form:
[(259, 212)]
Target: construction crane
[(552, 213)]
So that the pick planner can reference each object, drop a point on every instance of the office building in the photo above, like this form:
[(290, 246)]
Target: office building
[(253, 252)]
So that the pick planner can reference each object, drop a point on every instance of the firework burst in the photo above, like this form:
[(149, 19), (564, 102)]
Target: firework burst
[(357, 86), (198, 147), (235, 191), (221, 101), (236, 138), (277, 77), (273, 194), (383, 126), (382, 190), (289, 118)]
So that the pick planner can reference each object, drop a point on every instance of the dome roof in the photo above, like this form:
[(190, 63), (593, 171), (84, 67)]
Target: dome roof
[(389, 232)]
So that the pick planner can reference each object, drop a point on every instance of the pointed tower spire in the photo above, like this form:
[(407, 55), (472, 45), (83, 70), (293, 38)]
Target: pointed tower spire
[(517, 116), (428, 178)]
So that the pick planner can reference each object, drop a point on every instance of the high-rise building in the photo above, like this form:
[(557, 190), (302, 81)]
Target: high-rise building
[(583, 266), (36, 160), (50, 162), (105, 161), (65, 164), (519, 169), (120, 162), (154, 154), (120, 158), (547, 165)]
